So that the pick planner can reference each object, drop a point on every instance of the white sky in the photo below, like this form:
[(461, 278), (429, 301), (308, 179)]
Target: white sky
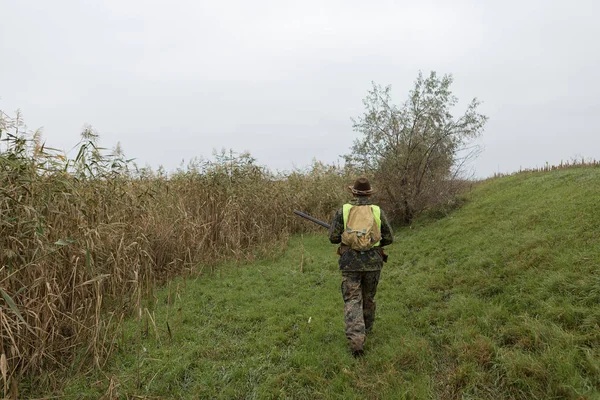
[(281, 79)]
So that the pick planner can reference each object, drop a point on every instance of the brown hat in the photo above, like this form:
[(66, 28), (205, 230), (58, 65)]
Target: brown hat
[(361, 187)]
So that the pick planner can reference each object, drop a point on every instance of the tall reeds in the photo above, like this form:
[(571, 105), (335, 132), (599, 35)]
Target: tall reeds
[(82, 240)]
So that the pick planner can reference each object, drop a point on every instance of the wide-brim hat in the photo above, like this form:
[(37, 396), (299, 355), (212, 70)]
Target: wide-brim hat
[(361, 187)]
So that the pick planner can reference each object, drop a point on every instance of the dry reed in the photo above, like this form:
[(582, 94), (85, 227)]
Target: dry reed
[(85, 240)]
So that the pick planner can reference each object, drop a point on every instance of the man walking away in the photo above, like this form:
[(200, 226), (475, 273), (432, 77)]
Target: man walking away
[(362, 230)]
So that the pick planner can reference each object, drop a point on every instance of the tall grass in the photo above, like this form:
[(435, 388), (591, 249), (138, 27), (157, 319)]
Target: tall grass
[(84, 240)]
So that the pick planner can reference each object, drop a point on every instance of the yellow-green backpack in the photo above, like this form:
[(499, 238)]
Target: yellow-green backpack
[(362, 226)]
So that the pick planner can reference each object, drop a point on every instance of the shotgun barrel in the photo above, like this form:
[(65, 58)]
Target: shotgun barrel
[(313, 219)]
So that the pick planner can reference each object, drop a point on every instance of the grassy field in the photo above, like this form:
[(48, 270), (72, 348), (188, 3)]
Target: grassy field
[(498, 300)]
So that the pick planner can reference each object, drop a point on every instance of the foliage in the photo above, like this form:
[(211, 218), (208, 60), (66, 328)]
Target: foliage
[(85, 241), (415, 151)]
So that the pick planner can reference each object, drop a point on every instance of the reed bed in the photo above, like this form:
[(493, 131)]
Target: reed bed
[(84, 240)]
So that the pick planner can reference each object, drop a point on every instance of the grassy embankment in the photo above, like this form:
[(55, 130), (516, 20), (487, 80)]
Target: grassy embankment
[(501, 299)]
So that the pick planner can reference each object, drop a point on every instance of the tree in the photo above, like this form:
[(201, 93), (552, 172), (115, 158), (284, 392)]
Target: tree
[(416, 151)]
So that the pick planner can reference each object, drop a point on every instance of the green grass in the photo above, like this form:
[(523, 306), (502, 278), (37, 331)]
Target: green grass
[(499, 300)]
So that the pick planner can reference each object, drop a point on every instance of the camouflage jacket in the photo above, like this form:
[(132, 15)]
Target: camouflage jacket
[(352, 260)]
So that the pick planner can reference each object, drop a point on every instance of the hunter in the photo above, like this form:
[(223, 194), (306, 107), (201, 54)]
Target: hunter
[(362, 230)]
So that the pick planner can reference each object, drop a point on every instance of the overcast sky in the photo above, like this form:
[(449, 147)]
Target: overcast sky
[(173, 80)]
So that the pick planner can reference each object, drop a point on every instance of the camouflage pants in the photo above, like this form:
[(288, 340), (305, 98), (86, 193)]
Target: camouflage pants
[(358, 290)]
